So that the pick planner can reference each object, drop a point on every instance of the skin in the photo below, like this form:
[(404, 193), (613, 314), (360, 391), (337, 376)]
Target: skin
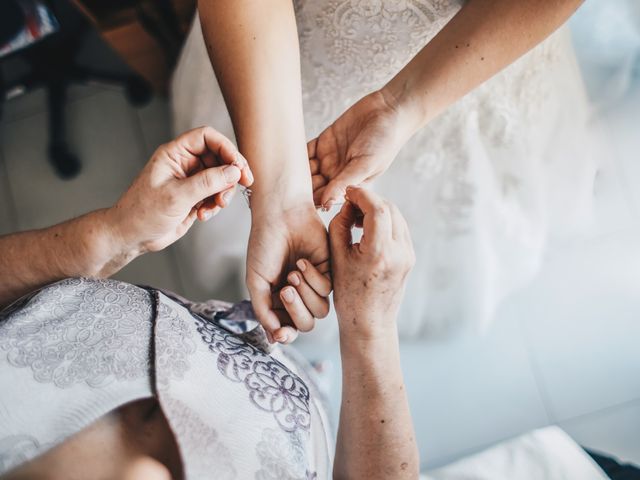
[(482, 38), (375, 435), (253, 47), (159, 208), (134, 442)]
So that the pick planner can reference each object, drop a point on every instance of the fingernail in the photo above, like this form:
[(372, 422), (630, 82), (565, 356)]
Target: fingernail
[(301, 265), (294, 280), (281, 337), (329, 202), (226, 197), (250, 175), (287, 295), (231, 173), (207, 215)]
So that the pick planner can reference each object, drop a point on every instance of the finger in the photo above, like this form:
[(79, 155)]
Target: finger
[(311, 148), (314, 166), (317, 304), (208, 182), (300, 315), (354, 173), (208, 211), (201, 143), (399, 226), (186, 224), (318, 181), (340, 229), (320, 282), (247, 174), (317, 197), (285, 335), (376, 221), (211, 159), (189, 147), (224, 198), (260, 293)]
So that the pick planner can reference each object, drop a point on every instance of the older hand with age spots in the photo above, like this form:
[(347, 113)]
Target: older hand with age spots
[(369, 276), (193, 176)]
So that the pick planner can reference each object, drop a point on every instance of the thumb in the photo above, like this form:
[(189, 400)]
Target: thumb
[(340, 229), (210, 181), (354, 173)]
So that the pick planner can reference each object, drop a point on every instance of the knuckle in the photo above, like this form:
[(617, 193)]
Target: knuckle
[(171, 197), (211, 180), (307, 325), (379, 263), (381, 209)]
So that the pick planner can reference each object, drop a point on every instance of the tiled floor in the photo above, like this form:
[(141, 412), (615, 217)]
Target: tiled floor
[(113, 140), (563, 350)]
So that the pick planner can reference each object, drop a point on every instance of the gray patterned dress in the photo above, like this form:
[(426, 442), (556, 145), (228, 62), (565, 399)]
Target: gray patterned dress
[(75, 350)]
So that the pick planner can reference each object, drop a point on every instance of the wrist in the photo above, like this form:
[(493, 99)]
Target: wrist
[(112, 249), (412, 115), (282, 194), (282, 174), (359, 347), (365, 333)]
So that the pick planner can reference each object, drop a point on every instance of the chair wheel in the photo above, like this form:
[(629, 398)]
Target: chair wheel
[(138, 91), (65, 163)]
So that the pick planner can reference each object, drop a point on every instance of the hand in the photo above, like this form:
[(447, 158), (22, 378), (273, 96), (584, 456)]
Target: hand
[(369, 276), (280, 241), (193, 176), (357, 147)]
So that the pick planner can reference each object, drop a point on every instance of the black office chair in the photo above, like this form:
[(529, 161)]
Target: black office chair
[(52, 65)]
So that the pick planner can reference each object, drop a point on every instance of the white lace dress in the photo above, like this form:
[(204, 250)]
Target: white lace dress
[(483, 187)]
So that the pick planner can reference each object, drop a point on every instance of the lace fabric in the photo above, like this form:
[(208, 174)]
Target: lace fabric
[(91, 346), (484, 186)]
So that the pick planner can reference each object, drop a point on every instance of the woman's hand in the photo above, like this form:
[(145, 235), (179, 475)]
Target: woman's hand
[(357, 147), (280, 241), (369, 276), (193, 176), (188, 178), (375, 435)]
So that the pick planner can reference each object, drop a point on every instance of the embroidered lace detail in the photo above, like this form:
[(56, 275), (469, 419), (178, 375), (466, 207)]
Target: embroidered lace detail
[(173, 343), (81, 331), (352, 47), (272, 386)]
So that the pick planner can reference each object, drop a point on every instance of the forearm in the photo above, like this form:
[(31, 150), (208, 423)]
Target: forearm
[(85, 246), (483, 38), (375, 437), (253, 47)]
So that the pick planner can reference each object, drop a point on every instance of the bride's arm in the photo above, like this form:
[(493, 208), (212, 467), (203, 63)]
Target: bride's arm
[(158, 208), (253, 47), (482, 38)]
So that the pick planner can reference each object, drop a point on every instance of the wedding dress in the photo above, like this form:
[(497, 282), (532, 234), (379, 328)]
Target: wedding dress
[(484, 187)]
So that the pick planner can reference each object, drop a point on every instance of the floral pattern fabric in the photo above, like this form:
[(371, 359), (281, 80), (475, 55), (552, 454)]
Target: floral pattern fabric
[(90, 346)]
